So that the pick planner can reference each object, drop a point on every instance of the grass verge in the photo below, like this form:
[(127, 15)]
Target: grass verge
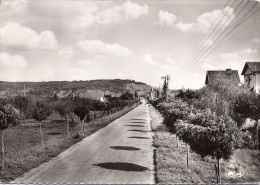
[(23, 149), (171, 161)]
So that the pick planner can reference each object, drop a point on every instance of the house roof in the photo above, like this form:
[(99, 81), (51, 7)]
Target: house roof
[(253, 66), (92, 94), (211, 76)]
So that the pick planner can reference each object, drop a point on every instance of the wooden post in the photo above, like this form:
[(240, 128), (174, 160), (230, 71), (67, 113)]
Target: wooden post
[(177, 141), (257, 124), (218, 169), (3, 151), (188, 148), (82, 125), (67, 124), (41, 135)]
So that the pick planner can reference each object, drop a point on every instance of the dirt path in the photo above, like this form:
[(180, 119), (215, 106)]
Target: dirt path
[(119, 153)]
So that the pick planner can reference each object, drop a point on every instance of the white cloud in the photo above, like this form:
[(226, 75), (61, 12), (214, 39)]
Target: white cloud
[(184, 26), (127, 10), (15, 35), (66, 52), (13, 7), (84, 62), (256, 40), (15, 61), (79, 15), (148, 59), (99, 47), (169, 60), (205, 20), (250, 51), (208, 42), (208, 66), (166, 18)]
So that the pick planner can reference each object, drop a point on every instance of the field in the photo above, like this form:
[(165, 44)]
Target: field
[(23, 149), (171, 161)]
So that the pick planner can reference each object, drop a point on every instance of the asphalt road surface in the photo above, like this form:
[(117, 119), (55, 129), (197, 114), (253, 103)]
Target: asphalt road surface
[(122, 152)]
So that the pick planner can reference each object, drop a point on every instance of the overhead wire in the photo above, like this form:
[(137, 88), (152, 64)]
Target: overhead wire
[(208, 31), (226, 35), (218, 34)]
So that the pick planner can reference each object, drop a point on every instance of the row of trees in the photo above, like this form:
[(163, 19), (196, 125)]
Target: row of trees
[(205, 133), (13, 111), (226, 98)]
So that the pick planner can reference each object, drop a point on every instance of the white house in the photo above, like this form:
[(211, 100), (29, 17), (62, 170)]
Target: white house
[(251, 74)]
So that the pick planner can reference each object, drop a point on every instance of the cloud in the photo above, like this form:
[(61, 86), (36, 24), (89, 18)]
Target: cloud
[(84, 62), (15, 35), (256, 40), (167, 64), (66, 52), (166, 18), (184, 26), (169, 60), (148, 59), (79, 15), (100, 48), (249, 51), (15, 61), (205, 20), (13, 7), (208, 42), (127, 10)]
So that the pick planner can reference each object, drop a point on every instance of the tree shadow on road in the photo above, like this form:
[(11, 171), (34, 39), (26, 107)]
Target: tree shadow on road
[(138, 137), (122, 166), (138, 119), (124, 148), (136, 130), (135, 125)]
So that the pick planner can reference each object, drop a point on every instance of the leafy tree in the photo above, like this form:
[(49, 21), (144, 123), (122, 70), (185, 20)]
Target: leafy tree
[(82, 113), (64, 108), (41, 112), (23, 104), (248, 105), (127, 96), (136, 95), (8, 116), (100, 106)]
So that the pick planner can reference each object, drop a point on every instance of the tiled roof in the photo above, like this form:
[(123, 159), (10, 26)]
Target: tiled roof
[(229, 74), (92, 94), (253, 66)]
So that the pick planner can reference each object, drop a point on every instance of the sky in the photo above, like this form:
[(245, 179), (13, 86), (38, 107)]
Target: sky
[(142, 40)]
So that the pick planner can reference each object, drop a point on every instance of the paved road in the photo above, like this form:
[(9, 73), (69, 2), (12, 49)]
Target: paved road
[(119, 153)]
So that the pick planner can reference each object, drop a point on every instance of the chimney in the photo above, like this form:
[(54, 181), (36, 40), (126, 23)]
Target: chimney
[(228, 69)]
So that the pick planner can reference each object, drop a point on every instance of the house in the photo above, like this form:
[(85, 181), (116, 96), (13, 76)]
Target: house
[(251, 72), (93, 94), (154, 94), (231, 75)]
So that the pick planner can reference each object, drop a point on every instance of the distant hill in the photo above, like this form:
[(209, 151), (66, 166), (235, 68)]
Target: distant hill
[(114, 87)]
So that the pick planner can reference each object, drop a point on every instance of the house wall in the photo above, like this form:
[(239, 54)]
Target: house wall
[(255, 80), (246, 77), (257, 83)]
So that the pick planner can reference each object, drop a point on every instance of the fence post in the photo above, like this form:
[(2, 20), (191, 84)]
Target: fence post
[(257, 125)]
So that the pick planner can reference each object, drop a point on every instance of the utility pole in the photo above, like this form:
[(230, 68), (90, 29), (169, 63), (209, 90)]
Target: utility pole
[(24, 90)]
